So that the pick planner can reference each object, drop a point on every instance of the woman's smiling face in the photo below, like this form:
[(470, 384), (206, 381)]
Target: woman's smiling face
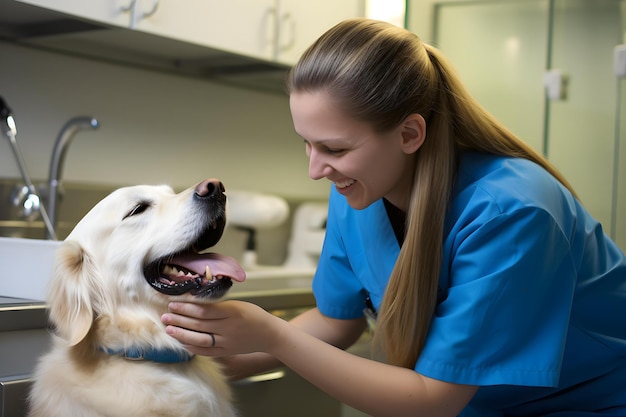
[(364, 165)]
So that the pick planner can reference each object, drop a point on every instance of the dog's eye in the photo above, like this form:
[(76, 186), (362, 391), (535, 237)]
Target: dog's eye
[(138, 209)]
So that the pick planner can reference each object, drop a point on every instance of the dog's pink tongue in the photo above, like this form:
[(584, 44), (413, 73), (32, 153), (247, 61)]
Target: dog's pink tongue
[(219, 264)]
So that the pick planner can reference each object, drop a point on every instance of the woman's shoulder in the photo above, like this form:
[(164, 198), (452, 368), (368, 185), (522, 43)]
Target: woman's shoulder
[(508, 181), (492, 187), (494, 169)]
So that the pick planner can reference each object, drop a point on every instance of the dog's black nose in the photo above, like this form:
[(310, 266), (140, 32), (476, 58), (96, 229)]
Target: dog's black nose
[(210, 188)]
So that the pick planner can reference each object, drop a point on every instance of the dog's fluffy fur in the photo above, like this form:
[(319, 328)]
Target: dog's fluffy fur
[(100, 299)]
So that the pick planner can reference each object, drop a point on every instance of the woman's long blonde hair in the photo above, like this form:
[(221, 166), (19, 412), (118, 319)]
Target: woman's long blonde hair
[(380, 73)]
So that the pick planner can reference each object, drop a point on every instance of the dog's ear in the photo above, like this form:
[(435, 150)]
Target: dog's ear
[(74, 292)]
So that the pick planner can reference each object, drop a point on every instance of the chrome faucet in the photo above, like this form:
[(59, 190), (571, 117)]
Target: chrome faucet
[(58, 158), (27, 196), (32, 198)]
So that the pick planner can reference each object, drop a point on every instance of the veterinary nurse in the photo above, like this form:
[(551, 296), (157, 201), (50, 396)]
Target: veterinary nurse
[(496, 293)]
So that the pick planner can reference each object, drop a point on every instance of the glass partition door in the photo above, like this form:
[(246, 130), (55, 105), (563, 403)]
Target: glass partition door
[(503, 50)]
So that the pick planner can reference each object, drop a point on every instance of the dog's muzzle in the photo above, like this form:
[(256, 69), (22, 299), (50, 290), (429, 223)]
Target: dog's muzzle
[(188, 271)]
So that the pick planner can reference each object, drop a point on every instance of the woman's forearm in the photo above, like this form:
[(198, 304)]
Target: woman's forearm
[(375, 388), (244, 365)]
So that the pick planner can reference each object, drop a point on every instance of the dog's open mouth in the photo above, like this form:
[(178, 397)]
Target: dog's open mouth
[(204, 275)]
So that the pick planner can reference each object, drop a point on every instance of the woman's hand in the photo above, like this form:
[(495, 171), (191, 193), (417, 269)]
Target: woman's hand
[(222, 329)]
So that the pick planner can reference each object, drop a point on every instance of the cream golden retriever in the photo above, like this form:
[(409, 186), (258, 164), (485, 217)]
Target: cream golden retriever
[(135, 251)]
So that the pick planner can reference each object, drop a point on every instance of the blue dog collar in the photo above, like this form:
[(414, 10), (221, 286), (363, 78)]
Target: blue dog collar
[(153, 355)]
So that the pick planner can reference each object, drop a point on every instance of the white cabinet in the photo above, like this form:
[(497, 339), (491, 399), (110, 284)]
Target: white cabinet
[(249, 43), (271, 30), (274, 30), (238, 26)]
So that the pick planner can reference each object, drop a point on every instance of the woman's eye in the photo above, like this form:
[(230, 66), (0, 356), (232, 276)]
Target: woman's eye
[(322, 149), (334, 151), (138, 209)]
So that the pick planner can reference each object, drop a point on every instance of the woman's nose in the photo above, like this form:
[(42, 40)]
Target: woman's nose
[(318, 168)]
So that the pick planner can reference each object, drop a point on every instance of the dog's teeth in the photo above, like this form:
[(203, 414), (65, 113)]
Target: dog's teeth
[(207, 272)]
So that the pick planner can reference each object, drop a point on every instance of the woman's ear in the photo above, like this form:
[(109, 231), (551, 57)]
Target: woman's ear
[(413, 131)]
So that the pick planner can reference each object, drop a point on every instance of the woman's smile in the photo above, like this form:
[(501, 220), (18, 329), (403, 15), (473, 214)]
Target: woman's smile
[(344, 184)]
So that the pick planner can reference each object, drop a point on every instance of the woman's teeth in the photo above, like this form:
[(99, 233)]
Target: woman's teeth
[(344, 184)]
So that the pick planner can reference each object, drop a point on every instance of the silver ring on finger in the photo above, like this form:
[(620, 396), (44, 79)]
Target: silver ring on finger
[(212, 339)]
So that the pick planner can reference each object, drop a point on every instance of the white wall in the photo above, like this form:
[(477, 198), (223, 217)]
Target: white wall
[(155, 127)]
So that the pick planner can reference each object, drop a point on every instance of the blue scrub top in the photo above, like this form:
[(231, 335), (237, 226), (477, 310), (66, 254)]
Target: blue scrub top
[(532, 293)]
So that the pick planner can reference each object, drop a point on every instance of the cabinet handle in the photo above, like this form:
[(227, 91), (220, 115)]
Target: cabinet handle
[(132, 8), (265, 377), (287, 20), (155, 6)]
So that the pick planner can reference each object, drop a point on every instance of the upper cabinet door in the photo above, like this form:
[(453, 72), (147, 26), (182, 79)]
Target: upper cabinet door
[(300, 23), (110, 12), (241, 26)]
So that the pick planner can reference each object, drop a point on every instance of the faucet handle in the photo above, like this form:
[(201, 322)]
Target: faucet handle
[(27, 202)]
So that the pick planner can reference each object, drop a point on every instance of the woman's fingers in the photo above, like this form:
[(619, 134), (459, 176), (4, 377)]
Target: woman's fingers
[(198, 317), (193, 338), (200, 311), (236, 326)]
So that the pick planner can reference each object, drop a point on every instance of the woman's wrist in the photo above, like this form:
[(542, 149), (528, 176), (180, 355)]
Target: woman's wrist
[(279, 332)]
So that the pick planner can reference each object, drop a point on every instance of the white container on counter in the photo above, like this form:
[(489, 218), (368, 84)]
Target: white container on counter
[(26, 267)]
